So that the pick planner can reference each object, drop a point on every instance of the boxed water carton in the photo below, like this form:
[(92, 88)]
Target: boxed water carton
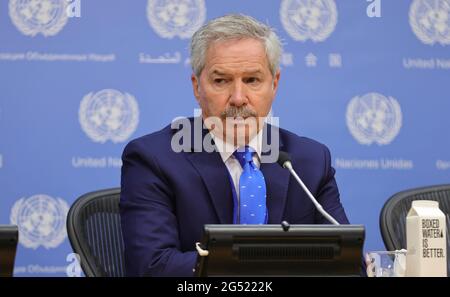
[(426, 240)]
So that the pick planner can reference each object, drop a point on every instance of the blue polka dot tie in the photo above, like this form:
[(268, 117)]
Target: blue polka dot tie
[(252, 190)]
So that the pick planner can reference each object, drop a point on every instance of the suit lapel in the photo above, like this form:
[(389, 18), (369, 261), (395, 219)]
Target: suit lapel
[(277, 182), (213, 172), (277, 178)]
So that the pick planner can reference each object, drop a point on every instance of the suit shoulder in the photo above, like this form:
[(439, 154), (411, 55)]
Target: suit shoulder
[(150, 143), (294, 141)]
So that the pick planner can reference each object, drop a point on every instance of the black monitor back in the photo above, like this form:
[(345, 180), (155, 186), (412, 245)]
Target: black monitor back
[(270, 250), (9, 236)]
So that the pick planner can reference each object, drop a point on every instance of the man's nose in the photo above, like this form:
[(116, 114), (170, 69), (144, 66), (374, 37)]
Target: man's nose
[(238, 96)]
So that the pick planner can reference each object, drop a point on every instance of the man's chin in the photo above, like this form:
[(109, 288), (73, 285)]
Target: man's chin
[(236, 130), (239, 122), (240, 135)]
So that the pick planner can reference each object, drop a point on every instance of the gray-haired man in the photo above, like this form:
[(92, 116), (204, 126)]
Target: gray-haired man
[(169, 195)]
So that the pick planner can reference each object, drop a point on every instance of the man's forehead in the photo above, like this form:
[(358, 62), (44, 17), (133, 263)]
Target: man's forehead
[(237, 64), (220, 70), (245, 55)]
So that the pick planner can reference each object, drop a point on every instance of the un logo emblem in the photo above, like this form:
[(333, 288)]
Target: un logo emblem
[(108, 115), (170, 18), (31, 17), (430, 21), (305, 19), (374, 118), (41, 220)]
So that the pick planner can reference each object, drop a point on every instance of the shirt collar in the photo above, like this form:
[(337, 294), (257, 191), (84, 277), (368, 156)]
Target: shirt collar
[(227, 149)]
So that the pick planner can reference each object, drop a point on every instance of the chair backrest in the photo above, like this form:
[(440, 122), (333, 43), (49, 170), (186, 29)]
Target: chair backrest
[(94, 231), (393, 214)]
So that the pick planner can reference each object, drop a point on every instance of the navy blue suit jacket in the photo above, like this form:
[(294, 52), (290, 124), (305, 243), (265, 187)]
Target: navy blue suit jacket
[(168, 197)]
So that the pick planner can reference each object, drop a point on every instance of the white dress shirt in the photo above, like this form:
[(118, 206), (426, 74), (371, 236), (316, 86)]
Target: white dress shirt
[(234, 167)]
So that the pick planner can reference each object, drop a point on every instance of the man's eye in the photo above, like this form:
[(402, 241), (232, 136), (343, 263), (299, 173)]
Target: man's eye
[(219, 81), (252, 80)]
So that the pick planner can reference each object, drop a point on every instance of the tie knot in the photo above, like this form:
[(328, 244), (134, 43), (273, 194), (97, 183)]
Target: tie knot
[(244, 155)]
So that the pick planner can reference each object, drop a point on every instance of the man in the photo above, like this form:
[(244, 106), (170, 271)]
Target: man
[(169, 194)]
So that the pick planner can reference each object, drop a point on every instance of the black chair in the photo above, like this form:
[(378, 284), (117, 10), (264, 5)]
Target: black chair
[(393, 214), (94, 231)]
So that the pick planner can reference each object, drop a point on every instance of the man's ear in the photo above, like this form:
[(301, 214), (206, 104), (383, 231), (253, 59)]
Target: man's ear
[(276, 79), (195, 86)]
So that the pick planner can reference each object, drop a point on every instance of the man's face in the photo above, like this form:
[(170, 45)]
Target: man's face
[(235, 84)]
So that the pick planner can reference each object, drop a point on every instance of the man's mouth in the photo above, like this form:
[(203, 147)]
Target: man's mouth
[(238, 120)]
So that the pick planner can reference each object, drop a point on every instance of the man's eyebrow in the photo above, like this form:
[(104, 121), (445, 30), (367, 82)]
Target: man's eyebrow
[(218, 72), (255, 71)]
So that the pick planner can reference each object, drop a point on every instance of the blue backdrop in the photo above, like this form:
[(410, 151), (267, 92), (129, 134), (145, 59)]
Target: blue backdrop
[(79, 79)]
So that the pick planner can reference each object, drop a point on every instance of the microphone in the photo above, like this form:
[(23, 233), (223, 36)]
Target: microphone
[(284, 160)]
